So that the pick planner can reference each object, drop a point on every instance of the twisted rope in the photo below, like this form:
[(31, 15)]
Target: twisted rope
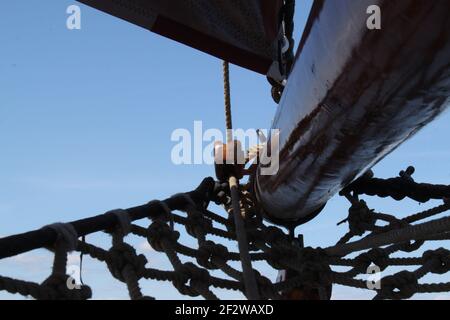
[(312, 267), (250, 284)]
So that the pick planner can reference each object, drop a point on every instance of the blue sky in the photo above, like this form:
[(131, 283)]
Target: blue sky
[(85, 123)]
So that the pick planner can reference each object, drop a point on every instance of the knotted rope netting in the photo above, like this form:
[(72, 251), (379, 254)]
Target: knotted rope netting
[(379, 238)]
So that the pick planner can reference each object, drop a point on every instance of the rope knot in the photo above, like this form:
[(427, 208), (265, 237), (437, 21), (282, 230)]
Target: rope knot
[(220, 194), (123, 225), (411, 246), (164, 215), (377, 256), (59, 287), (211, 255), (438, 260), (192, 280), (197, 225), (123, 256), (402, 285), (314, 266), (159, 234), (67, 236), (360, 218)]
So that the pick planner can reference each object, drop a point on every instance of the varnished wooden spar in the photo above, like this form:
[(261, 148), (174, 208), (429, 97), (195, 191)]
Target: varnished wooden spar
[(354, 95)]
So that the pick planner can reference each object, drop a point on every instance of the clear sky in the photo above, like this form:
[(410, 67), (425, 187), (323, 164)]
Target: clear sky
[(86, 118)]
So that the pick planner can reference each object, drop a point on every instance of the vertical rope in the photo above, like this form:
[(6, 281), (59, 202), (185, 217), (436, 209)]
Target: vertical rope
[(227, 99), (251, 289), (83, 240)]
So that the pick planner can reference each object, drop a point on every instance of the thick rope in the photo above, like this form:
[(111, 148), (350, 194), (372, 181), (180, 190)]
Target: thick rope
[(313, 267), (251, 288), (395, 236), (66, 235), (227, 100)]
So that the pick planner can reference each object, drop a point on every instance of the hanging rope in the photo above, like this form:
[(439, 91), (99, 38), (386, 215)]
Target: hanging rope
[(227, 100), (251, 288)]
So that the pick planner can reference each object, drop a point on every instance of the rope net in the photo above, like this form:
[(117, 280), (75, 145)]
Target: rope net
[(373, 239)]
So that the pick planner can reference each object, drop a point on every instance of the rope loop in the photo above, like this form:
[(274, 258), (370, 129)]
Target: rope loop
[(67, 236), (199, 278), (123, 226), (165, 215), (60, 287), (411, 246), (66, 241), (197, 225), (179, 282), (438, 260), (308, 271), (193, 281), (360, 218), (377, 256), (212, 256), (402, 285), (159, 234), (122, 256)]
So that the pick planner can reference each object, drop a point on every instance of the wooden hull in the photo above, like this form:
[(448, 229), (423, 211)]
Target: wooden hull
[(354, 95)]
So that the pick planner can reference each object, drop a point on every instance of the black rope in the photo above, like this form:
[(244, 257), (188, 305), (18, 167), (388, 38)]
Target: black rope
[(312, 268), (83, 240), (398, 188), (41, 238)]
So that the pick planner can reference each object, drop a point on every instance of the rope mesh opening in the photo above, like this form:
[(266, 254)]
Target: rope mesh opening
[(206, 267)]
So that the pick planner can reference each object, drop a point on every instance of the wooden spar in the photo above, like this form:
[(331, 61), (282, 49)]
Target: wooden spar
[(241, 32), (354, 95)]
